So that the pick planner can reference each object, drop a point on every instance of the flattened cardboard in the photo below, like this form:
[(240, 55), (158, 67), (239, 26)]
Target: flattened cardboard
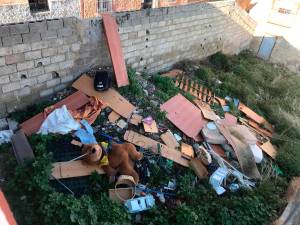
[(198, 167), (136, 119), (207, 112), (113, 117), (150, 128), (269, 149), (62, 170), (169, 139), (115, 49), (148, 143), (184, 115), (114, 100), (187, 150)]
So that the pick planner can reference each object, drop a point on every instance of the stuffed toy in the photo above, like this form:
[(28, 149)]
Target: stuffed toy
[(121, 160)]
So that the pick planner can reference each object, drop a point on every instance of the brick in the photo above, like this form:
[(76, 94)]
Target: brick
[(50, 34), (4, 79), (42, 62), (16, 58), (8, 69), (4, 31), (5, 51), (20, 28), (49, 52), (12, 40), (2, 61), (21, 48), (25, 65), (37, 26), (45, 77), (54, 24), (11, 87), (52, 67), (33, 55), (31, 37), (53, 82), (47, 92), (39, 45), (36, 71), (58, 58)]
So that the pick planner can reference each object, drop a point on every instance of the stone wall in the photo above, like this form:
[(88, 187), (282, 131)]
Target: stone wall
[(15, 11), (42, 57), (153, 40)]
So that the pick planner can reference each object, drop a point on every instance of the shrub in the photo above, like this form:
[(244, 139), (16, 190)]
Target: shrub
[(220, 61)]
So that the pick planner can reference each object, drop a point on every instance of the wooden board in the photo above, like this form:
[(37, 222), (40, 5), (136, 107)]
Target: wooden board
[(169, 139), (115, 49), (251, 114), (148, 143), (150, 128), (73, 102), (187, 150), (21, 147), (62, 170), (111, 97), (269, 149), (113, 117), (184, 115), (198, 167)]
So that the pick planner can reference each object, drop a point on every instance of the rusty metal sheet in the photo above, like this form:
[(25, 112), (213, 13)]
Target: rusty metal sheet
[(184, 115), (115, 49), (73, 102)]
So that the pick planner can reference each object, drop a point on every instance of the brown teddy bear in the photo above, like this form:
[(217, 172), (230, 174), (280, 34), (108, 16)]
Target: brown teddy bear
[(120, 159)]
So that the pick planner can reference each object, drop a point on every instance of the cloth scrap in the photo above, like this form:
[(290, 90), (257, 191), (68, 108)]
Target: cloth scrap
[(86, 134)]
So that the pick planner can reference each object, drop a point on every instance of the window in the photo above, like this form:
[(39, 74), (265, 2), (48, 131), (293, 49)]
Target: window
[(38, 5), (104, 5)]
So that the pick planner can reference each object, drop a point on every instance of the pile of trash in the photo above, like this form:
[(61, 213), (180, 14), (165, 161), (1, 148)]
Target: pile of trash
[(225, 148)]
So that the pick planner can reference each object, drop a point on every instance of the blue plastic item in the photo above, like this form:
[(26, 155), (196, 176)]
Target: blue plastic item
[(140, 204), (86, 135)]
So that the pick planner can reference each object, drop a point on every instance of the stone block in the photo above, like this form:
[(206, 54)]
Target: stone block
[(60, 87), (65, 32), (12, 40), (2, 61), (46, 92), (18, 76), (39, 45), (37, 54), (67, 78), (45, 77), (29, 82), (50, 34), (5, 51), (23, 92), (8, 69), (53, 82), (42, 62), (21, 48), (54, 24), (75, 47), (4, 31), (11, 87), (31, 37), (20, 28), (52, 67), (4, 79), (16, 58), (66, 64), (58, 58), (36, 71), (37, 26), (49, 52), (25, 65)]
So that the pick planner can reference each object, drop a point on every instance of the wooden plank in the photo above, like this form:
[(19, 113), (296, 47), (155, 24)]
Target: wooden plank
[(198, 167), (187, 150), (195, 93), (200, 92), (150, 128), (187, 84), (115, 49), (62, 170), (21, 147), (269, 149), (251, 114), (73, 102), (204, 95), (191, 90), (148, 143), (113, 117), (169, 139), (111, 97)]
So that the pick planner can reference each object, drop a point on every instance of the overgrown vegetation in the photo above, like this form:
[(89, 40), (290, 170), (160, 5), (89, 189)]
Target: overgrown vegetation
[(272, 92)]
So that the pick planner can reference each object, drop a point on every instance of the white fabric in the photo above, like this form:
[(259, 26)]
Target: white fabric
[(59, 121), (5, 136), (257, 152)]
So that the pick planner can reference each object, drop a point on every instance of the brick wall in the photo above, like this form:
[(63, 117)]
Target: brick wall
[(40, 58), (33, 53), (155, 39), (121, 5)]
